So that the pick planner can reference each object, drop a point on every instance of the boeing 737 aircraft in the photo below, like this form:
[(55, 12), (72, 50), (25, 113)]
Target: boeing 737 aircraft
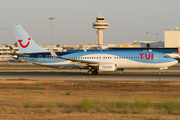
[(93, 60)]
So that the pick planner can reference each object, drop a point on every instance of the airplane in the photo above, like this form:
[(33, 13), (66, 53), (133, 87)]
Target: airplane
[(93, 61), (13, 53), (176, 56)]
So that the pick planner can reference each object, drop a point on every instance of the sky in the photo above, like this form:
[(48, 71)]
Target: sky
[(129, 20)]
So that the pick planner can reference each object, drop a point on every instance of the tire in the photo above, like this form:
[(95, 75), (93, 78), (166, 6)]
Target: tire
[(89, 72), (160, 73), (95, 72)]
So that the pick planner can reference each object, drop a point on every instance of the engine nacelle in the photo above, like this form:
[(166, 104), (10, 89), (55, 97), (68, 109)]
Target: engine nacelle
[(108, 67)]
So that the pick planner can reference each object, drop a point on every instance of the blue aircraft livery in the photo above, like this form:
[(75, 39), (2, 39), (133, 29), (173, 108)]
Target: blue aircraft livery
[(93, 61)]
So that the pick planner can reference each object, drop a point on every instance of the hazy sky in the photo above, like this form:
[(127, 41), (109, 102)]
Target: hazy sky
[(129, 20)]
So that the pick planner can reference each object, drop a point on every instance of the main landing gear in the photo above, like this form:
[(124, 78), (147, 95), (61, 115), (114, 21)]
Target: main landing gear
[(92, 72)]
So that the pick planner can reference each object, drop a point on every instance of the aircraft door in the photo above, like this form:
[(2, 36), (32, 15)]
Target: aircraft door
[(156, 58), (39, 58)]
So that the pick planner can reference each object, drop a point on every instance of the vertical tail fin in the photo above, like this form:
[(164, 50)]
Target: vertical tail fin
[(12, 50), (179, 51), (13, 53), (25, 42)]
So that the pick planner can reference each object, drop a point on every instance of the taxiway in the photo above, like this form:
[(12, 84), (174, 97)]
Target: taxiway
[(83, 76)]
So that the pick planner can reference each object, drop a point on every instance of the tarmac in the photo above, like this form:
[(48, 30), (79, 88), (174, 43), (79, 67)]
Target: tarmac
[(72, 75), (127, 75)]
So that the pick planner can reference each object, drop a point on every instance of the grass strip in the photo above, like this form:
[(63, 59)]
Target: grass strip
[(138, 106)]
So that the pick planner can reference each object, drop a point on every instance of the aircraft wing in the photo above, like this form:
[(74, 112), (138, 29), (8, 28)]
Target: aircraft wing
[(176, 56), (87, 62)]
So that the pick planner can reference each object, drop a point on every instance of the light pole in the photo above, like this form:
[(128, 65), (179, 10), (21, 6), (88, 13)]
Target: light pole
[(157, 36), (96, 37), (52, 18), (5, 36), (147, 36)]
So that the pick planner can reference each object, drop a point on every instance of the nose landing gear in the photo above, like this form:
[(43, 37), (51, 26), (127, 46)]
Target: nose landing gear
[(160, 73)]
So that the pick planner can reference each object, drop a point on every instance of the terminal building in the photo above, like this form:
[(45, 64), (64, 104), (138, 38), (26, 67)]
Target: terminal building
[(172, 37)]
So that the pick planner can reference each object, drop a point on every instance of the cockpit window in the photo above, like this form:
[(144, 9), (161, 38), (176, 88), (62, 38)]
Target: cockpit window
[(166, 56)]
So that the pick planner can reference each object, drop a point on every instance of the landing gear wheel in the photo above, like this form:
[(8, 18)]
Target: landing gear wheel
[(95, 72), (90, 72)]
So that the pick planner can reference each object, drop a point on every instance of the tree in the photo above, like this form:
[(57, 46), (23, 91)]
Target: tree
[(57, 45), (15, 44)]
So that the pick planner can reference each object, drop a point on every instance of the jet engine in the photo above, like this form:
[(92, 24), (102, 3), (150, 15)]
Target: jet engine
[(108, 67)]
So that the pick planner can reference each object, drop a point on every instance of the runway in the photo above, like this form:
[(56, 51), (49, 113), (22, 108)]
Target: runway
[(127, 75), (83, 76)]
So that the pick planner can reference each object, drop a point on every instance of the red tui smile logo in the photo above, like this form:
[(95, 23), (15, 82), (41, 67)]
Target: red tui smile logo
[(24, 46)]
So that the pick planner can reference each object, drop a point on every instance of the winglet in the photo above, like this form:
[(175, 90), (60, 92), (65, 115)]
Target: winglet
[(53, 53), (179, 51)]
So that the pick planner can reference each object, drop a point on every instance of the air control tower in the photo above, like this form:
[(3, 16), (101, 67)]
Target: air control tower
[(100, 24)]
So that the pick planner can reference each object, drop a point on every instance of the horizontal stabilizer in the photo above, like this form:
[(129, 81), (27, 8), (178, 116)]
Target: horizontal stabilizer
[(22, 55)]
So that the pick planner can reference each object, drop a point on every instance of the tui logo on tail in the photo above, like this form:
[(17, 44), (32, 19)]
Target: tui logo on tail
[(24, 46)]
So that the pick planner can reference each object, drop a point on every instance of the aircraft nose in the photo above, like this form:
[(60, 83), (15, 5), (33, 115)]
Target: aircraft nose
[(174, 61)]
